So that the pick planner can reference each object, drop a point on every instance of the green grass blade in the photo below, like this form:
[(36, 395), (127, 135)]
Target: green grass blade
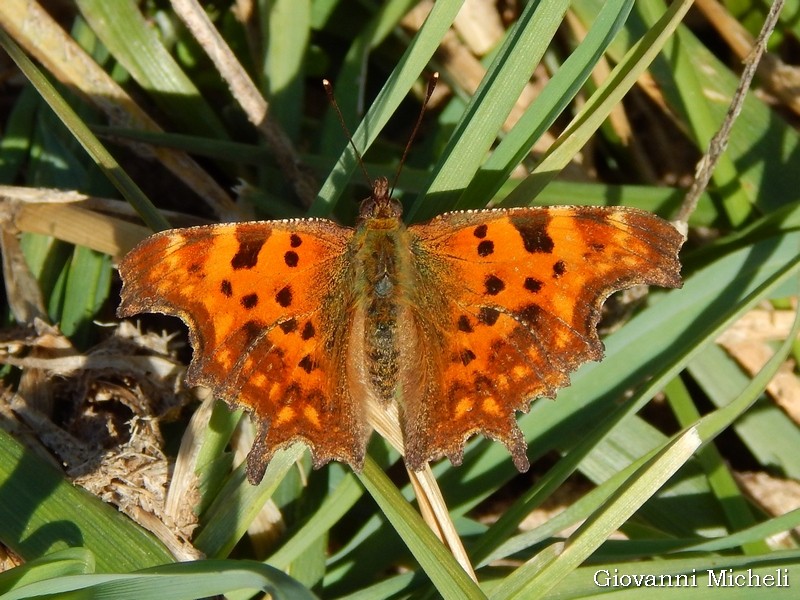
[(713, 424), (349, 82), (87, 139), (238, 502), (603, 523), (61, 563), (88, 285), (287, 38), (43, 512), (446, 574), (181, 581), (691, 97), (762, 146), (599, 105), (488, 109), (756, 533), (127, 36), (333, 508), (723, 485), (16, 139), (414, 60), (575, 514), (549, 104), (769, 434)]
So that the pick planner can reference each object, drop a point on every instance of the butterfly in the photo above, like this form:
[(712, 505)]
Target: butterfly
[(461, 320)]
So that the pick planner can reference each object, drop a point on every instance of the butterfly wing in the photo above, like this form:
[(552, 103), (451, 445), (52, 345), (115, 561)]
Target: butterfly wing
[(266, 304), (524, 288)]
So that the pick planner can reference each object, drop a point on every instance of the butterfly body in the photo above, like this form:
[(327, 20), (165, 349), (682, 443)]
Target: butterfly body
[(461, 320), (381, 272), (391, 349)]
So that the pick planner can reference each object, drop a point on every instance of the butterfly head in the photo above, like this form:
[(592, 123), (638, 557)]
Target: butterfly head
[(380, 210)]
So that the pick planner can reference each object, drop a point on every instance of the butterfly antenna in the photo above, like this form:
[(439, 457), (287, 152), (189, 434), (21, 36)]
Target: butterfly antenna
[(332, 99), (428, 93)]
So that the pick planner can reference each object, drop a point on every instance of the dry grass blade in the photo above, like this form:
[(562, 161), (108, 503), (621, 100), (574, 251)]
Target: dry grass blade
[(777, 77), (720, 140), (480, 25), (247, 95), (432, 506), (65, 216), (746, 341), (24, 297)]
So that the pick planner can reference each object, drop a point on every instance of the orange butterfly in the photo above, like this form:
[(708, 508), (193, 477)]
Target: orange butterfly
[(462, 320)]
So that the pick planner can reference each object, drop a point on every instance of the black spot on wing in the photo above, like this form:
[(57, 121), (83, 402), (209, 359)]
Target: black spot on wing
[(532, 285), (559, 268), (295, 240), (480, 231), (533, 231), (288, 326), (531, 314), (485, 386), (284, 296), (291, 258), (306, 363), (292, 393), (226, 288), (308, 331), (493, 285), (488, 316), (486, 248), (464, 324), (249, 301), (246, 256), (467, 356), (251, 330)]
